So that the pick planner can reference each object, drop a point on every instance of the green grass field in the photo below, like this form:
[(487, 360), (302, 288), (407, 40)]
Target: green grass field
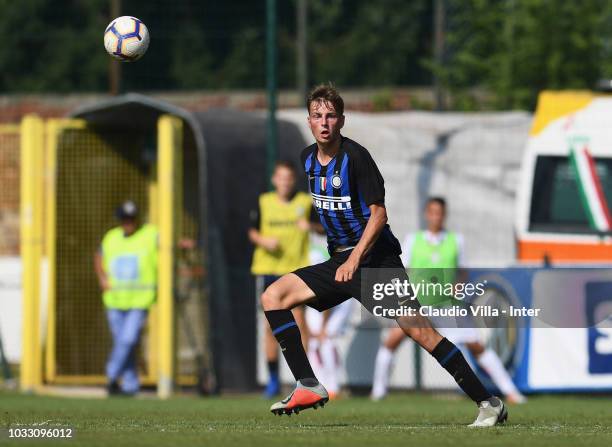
[(403, 419)]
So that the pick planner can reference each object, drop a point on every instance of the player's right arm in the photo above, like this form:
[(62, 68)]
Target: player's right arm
[(266, 242)]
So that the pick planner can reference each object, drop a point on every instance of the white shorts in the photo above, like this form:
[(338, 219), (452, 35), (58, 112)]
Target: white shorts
[(457, 335), (336, 323)]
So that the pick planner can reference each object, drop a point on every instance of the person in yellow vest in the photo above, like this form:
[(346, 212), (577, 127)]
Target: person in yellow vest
[(436, 251), (280, 232), (126, 267)]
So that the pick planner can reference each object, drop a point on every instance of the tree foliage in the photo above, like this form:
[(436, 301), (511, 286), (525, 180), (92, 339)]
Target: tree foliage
[(515, 48), (510, 48)]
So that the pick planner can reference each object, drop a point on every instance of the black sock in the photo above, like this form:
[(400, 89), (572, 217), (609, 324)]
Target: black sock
[(286, 331), (452, 360), (273, 367)]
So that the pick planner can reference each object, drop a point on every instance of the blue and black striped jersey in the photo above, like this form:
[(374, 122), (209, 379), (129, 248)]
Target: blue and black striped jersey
[(342, 192)]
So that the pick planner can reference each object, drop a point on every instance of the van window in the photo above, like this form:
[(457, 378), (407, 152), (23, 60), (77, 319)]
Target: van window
[(556, 205)]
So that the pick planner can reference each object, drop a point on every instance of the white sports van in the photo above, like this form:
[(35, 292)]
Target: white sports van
[(564, 201)]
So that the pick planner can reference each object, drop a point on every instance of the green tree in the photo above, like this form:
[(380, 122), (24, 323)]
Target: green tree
[(52, 45), (367, 43), (515, 48), (554, 45)]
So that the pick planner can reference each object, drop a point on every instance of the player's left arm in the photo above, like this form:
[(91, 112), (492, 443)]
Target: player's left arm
[(376, 223), (371, 185)]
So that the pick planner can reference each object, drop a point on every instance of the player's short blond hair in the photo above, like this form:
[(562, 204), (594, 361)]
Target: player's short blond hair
[(326, 93)]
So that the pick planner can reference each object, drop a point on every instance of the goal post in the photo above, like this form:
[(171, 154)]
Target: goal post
[(73, 176), (31, 234), (54, 130), (169, 149)]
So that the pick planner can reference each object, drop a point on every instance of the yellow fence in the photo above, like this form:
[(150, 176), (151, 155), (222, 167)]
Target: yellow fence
[(32, 187), (72, 178), (9, 193)]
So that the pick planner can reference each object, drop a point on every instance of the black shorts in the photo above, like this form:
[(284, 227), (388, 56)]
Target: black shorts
[(380, 266)]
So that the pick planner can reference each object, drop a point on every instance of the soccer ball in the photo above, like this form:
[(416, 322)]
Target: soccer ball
[(126, 38)]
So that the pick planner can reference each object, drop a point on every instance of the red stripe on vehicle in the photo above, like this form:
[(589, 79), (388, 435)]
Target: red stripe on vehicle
[(600, 194)]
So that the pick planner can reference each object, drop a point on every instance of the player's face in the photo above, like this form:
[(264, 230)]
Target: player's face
[(324, 122), (283, 181), (434, 216)]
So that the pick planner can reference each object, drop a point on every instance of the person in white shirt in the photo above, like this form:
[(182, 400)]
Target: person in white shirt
[(431, 248)]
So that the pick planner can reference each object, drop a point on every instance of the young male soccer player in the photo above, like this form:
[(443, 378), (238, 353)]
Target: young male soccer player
[(349, 196), (437, 248)]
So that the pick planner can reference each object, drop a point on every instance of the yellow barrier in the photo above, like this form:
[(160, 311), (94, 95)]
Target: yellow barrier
[(54, 128), (10, 137), (169, 144), (31, 222), (50, 227), (153, 319), (45, 148), (10, 128)]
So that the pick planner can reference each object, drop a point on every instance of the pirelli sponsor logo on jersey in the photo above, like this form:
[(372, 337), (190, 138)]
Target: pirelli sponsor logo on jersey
[(332, 203)]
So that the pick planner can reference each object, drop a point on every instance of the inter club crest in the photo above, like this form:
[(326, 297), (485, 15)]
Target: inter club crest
[(336, 181)]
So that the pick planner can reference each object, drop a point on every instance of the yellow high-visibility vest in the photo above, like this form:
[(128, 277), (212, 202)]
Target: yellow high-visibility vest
[(131, 265), (279, 220)]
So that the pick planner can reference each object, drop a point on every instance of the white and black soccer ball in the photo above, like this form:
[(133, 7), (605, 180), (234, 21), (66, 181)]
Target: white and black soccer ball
[(126, 38)]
